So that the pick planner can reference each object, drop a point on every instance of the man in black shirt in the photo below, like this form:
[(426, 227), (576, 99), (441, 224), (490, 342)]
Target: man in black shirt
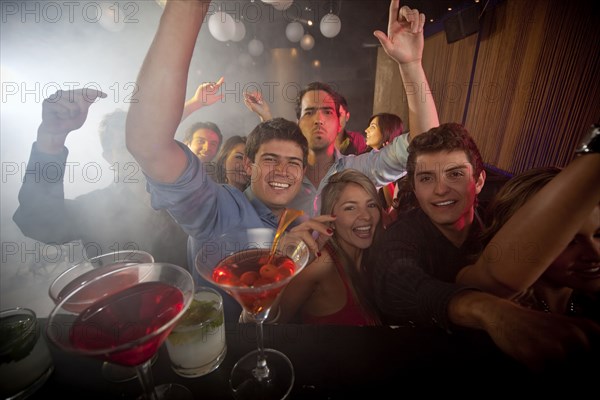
[(413, 266)]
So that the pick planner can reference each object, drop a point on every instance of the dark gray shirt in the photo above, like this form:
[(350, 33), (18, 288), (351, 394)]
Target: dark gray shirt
[(105, 220), (412, 269)]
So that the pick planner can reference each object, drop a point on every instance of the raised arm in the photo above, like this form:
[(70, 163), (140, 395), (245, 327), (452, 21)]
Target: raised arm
[(153, 119), (404, 44), (43, 213), (528, 243)]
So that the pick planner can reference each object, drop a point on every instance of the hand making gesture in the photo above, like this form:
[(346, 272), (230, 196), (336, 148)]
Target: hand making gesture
[(255, 103), (206, 94), (404, 40), (63, 112)]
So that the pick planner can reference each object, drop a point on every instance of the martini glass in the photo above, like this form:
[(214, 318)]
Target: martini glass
[(87, 270), (254, 268), (127, 326)]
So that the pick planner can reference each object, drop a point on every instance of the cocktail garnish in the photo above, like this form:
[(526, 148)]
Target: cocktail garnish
[(287, 217)]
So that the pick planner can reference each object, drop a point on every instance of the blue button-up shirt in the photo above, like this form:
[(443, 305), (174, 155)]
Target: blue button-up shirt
[(382, 167), (207, 210)]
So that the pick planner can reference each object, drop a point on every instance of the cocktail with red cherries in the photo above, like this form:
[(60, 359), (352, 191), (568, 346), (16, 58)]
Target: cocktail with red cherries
[(254, 280), (255, 270)]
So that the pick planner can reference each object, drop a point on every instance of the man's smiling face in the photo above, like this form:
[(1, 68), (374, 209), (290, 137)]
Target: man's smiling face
[(276, 173), (446, 188)]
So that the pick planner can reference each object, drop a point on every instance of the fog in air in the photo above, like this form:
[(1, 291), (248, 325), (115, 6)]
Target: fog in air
[(60, 45)]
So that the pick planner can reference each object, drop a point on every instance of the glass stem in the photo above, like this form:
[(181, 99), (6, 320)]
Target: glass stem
[(144, 374), (262, 370)]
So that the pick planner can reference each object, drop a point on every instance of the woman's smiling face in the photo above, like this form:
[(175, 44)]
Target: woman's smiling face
[(578, 266), (357, 215)]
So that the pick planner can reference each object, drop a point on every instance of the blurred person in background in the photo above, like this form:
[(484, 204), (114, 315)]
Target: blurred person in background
[(382, 129), (349, 142), (229, 163), (117, 217)]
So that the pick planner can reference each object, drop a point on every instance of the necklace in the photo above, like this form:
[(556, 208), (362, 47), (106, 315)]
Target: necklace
[(571, 308)]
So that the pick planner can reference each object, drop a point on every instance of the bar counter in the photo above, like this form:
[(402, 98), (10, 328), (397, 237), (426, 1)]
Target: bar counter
[(335, 362)]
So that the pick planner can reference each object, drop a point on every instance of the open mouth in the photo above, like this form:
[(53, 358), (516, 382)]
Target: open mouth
[(445, 203), (279, 185), (590, 272), (363, 232)]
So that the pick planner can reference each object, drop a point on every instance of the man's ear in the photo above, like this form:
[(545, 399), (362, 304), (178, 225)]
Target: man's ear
[(480, 182), (248, 166)]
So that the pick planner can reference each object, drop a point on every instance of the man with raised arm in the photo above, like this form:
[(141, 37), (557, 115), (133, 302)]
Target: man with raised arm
[(276, 150), (318, 113), (113, 218)]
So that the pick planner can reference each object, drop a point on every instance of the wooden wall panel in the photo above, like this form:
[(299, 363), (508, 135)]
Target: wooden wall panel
[(448, 68), (503, 81), (389, 93), (535, 84)]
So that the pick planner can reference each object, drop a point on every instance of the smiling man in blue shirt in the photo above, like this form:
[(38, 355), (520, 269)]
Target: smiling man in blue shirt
[(276, 150)]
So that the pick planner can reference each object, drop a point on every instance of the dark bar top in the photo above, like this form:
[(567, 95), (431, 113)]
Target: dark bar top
[(334, 362)]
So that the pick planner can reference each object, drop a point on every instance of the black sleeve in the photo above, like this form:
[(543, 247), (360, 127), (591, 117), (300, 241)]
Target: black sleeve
[(403, 291)]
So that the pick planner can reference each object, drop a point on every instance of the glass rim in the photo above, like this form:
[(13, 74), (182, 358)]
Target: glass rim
[(204, 271), (28, 329), (109, 350), (89, 260), (220, 310)]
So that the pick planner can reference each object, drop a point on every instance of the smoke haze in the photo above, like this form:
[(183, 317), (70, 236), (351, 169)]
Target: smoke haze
[(50, 45)]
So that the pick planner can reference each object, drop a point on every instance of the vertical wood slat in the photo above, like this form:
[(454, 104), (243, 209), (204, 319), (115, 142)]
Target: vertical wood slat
[(389, 93)]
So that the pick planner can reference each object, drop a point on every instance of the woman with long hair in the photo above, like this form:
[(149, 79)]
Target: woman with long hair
[(229, 163), (382, 129), (331, 289)]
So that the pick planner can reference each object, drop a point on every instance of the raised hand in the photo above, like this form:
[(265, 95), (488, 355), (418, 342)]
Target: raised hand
[(404, 40), (206, 94), (63, 112), (404, 43), (255, 103)]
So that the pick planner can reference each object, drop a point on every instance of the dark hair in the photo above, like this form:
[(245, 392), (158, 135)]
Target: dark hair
[(343, 102), (513, 195), (390, 125), (112, 130), (189, 133), (446, 137), (221, 157), (405, 200), (276, 128), (316, 86)]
